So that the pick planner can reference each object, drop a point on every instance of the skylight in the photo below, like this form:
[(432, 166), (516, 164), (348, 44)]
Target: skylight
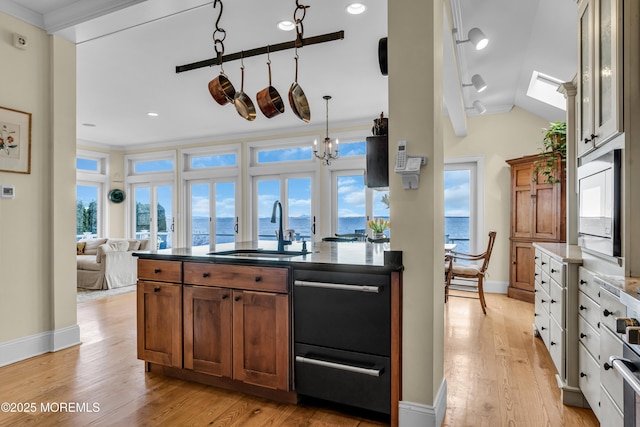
[(545, 88)]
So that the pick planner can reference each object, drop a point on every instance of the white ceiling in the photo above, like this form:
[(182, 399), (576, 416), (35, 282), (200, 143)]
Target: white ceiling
[(127, 51)]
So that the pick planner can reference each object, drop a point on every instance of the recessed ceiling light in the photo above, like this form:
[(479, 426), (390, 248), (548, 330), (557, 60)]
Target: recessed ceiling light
[(356, 8), (152, 114), (286, 25), (89, 125)]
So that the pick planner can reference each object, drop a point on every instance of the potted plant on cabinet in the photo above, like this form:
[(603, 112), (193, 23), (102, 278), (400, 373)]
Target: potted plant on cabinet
[(554, 146)]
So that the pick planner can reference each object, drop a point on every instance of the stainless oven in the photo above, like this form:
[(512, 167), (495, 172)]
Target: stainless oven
[(628, 367)]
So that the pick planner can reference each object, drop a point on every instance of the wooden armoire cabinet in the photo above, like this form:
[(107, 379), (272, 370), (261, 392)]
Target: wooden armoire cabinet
[(538, 214)]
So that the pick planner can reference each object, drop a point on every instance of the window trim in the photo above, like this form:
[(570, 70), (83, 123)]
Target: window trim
[(476, 192), (100, 179)]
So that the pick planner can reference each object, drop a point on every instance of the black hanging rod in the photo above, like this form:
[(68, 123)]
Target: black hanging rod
[(339, 35)]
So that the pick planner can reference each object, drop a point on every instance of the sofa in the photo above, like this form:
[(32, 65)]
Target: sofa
[(108, 263)]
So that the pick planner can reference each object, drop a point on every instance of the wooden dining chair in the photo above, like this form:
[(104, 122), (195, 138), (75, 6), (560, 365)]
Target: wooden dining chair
[(469, 277)]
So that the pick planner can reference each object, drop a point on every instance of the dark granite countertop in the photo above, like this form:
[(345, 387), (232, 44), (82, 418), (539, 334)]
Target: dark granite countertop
[(339, 255)]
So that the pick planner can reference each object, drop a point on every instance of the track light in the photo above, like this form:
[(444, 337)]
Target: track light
[(477, 105), (476, 37), (477, 82)]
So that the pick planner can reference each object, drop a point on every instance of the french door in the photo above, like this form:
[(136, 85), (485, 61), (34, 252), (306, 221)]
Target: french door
[(212, 214), (154, 214)]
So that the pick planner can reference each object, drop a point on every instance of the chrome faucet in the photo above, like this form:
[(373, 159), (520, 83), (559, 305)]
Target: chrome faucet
[(281, 241)]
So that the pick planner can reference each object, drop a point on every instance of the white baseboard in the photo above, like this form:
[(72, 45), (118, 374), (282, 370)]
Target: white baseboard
[(419, 415), (495, 287), (490, 287), (34, 345)]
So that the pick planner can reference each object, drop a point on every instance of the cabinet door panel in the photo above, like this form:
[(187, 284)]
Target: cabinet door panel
[(521, 211), (260, 331), (522, 266), (159, 314), (608, 96), (545, 206), (585, 84), (207, 330)]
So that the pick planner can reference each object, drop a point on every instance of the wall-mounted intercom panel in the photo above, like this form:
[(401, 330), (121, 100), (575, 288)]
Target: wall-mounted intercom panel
[(408, 166)]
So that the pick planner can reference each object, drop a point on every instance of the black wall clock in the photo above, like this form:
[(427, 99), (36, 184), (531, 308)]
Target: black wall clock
[(116, 196)]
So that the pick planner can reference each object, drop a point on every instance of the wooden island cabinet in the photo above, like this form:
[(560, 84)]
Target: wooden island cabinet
[(223, 325), (538, 214), (322, 324)]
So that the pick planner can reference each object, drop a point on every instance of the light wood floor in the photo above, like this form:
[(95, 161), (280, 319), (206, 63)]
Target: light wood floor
[(497, 374)]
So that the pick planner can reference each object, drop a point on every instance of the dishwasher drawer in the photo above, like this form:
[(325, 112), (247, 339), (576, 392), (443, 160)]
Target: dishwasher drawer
[(345, 311), (345, 377)]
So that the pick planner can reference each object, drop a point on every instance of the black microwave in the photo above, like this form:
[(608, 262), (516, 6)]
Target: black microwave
[(599, 204)]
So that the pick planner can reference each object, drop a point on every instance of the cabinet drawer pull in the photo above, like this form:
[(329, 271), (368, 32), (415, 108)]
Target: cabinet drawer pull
[(543, 263), (543, 300), (543, 282), (607, 313), (552, 343), (340, 366), (535, 274), (156, 289), (582, 375), (583, 282), (553, 270), (542, 328), (225, 296), (258, 278), (536, 257), (606, 366), (582, 307), (553, 301), (205, 275), (582, 335), (157, 271), (338, 286), (237, 298), (535, 314)]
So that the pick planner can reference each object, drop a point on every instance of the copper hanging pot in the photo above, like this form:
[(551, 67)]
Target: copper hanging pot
[(269, 100), (298, 100), (243, 103), (221, 89)]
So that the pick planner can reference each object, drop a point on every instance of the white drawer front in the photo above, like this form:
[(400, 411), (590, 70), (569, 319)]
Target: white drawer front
[(589, 337), (545, 281), (610, 308), (541, 320), (556, 346), (556, 303), (610, 345), (588, 309), (587, 285), (544, 261), (610, 414), (538, 257), (589, 379), (556, 271)]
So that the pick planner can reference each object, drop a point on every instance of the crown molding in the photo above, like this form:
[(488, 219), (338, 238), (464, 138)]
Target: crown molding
[(66, 16)]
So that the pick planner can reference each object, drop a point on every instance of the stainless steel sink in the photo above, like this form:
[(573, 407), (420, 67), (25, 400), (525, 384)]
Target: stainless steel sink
[(259, 253)]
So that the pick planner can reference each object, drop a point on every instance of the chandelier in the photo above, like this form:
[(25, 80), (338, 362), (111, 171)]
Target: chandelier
[(328, 154)]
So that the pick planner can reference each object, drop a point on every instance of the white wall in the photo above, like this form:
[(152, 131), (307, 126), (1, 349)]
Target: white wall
[(36, 298), (496, 138)]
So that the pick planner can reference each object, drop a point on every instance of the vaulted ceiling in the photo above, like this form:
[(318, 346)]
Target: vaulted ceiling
[(127, 51)]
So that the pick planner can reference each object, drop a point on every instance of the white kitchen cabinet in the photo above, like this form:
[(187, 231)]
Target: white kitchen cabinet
[(589, 338), (556, 313), (600, 73), (610, 345)]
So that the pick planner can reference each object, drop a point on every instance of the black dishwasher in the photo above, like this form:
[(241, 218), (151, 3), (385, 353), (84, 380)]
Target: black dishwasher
[(342, 333)]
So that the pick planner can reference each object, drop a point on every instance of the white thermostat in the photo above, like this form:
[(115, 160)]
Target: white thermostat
[(7, 192)]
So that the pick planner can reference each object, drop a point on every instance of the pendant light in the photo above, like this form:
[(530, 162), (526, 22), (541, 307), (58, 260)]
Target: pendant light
[(328, 154)]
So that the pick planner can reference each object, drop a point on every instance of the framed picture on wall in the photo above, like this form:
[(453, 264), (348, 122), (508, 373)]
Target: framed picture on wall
[(15, 141)]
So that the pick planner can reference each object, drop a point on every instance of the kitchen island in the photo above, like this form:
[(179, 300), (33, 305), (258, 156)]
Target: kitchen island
[(323, 323)]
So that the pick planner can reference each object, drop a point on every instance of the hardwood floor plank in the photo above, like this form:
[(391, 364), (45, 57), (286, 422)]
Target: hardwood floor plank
[(498, 374)]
